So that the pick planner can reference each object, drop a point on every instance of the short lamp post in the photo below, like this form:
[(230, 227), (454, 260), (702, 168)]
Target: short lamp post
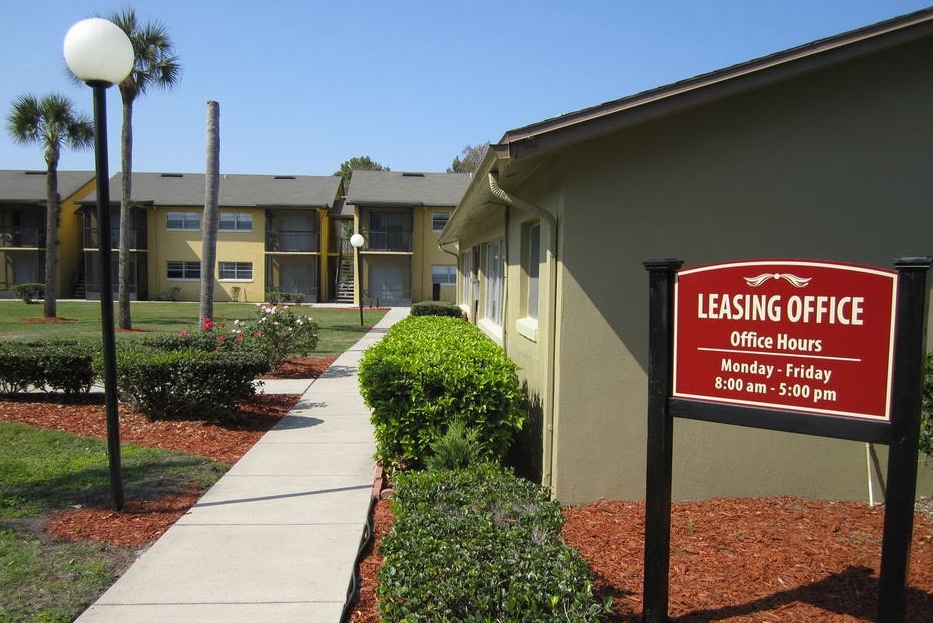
[(98, 52), (357, 241)]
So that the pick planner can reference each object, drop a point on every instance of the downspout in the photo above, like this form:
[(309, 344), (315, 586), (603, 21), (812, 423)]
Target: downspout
[(548, 411)]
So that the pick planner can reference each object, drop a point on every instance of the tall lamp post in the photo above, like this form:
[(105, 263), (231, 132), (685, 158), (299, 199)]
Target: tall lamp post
[(98, 52), (357, 241)]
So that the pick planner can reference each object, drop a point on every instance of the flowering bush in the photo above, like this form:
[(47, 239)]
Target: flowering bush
[(277, 333)]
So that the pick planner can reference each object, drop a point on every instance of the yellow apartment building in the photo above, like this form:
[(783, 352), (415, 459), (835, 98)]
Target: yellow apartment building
[(23, 208)]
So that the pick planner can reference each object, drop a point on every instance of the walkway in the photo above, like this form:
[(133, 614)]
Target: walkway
[(276, 538)]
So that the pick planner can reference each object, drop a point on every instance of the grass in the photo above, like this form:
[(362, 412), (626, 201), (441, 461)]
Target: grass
[(46, 579), (339, 327)]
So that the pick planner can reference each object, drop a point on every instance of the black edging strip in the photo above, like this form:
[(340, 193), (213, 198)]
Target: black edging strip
[(353, 590)]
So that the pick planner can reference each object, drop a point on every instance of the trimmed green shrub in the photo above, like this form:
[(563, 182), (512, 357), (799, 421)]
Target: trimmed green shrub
[(59, 365), (28, 292), (429, 371), (186, 384), (275, 297), (480, 545), (436, 308), (458, 448), (926, 422)]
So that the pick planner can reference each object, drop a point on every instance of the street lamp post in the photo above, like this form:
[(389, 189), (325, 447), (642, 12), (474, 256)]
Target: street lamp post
[(98, 52), (357, 241)]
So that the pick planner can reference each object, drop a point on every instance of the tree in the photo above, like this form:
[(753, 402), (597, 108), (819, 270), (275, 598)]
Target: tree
[(51, 122), (155, 65), (472, 157), (211, 217), (362, 162)]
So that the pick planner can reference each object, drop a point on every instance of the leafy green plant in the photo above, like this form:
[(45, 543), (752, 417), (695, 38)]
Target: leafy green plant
[(435, 308), (186, 384), (60, 365), (926, 422), (457, 448), (28, 292), (480, 544), (276, 333), (426, 373)]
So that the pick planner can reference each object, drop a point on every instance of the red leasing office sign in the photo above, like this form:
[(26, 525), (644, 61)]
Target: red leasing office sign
[(788, 334)]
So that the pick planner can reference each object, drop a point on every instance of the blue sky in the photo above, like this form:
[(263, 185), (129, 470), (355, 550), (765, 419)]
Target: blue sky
[(304, 85)]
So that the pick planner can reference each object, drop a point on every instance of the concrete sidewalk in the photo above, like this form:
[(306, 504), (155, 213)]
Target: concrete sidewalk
[(275, 539)]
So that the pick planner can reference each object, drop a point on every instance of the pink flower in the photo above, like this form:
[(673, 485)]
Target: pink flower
[(207, 324), (184, 334)]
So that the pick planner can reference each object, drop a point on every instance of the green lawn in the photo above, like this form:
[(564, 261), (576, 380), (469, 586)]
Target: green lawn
[(50, 580), (44, 579), (340, 328)]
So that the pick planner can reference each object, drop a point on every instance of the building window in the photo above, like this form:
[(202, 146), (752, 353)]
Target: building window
[(439, 220), (183, 220), (494, 281), (236, 221), (466, 269), (184, 270), (444, 275), (236, 271), (532, 267)]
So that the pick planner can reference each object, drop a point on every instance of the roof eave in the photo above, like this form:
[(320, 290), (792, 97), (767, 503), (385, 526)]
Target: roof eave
[(619, 114)]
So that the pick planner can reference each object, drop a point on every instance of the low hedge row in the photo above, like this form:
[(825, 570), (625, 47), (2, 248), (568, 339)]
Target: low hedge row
[(186, 384), (436, 308), (53, 365), (480, 544), (428, 372)]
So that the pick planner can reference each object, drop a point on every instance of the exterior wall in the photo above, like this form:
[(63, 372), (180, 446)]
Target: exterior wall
[(427, 255), (166, 246), (70, 241), (832, 166)]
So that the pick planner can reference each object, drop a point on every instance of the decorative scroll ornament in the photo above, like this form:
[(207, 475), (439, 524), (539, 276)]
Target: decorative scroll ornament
[(797, 282)]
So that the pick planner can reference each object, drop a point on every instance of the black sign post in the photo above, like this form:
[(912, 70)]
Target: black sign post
[(900, 433)]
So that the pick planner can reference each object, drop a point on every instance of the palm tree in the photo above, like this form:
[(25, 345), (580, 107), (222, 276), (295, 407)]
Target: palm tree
[(156, 65), (51, 122), (211, 216)]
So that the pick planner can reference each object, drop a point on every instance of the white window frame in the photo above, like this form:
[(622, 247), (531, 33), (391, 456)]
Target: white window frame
[(241, 271), (494, 272), (466, 273), (187, 220), (236, 221), (444, 274), (434, 221), (533, 270), (190, 271)]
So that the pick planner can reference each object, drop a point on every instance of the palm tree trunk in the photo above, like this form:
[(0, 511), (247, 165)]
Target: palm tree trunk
[(211, 216), (123, 261), (51, 240)]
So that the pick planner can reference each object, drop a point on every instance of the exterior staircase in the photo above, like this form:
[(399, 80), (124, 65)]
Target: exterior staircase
[(345, 280), (80, 290)]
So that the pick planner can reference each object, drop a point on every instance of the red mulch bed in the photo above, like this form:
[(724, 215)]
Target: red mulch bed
[(741, 560), (142, 521)]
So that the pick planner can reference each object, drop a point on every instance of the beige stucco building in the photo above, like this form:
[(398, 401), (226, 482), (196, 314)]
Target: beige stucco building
[(822, 151)]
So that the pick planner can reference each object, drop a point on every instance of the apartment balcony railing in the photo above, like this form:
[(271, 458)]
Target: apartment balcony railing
[(137, 239), (388, 240), (292, 241), (21, 237)]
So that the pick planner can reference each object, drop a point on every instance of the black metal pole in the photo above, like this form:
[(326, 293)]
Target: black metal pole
[(359, 276), (106, 292), (662, 276), (906, 402)]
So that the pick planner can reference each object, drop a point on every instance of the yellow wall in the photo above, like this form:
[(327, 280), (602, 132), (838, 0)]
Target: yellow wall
[(165, 246), (427, 254), (70, 240)]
